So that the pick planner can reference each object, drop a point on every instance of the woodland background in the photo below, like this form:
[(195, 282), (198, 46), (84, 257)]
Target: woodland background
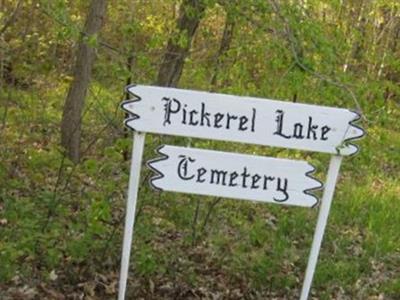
[(64, 152)]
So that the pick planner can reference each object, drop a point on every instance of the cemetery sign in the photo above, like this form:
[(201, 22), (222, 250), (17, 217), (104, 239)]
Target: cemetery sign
[(238, 176)]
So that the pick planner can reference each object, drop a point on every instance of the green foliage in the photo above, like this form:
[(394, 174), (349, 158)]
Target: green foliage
[(55, 216)]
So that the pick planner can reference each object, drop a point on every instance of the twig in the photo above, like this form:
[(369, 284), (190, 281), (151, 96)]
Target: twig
[(5, 114), (209, 212), (194, 224), (11, 19)]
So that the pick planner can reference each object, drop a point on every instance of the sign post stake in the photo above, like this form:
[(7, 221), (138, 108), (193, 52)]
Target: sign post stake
[(136, 163), (326, 202)]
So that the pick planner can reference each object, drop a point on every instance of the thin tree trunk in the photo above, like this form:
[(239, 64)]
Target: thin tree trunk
[(358, 46), (223, 48), (389, 24), (191, 12), (74, 103), (129, 65)]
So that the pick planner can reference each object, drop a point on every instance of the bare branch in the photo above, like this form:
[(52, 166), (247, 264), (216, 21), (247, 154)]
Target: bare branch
[(11, 19)]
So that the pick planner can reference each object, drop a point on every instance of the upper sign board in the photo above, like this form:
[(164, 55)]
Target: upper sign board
[(232, 175), (242, 119)]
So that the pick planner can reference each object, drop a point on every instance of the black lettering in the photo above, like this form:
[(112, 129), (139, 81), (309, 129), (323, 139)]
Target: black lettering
[(233, 176), (244, 175), (183, 167), (229, 118), (242, 122), (254, 179), (168, 109), (266, 178), (184, 112), (279, 124), (191, 122), (311, 129), (218, 176), (298, 131), (253, 120), (324, 130), (204, 115), (217, 119), (200, 173), (282, 189)]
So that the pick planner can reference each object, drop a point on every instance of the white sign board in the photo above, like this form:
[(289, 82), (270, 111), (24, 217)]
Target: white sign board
[(242, 119), (232, 175), (237, 119)]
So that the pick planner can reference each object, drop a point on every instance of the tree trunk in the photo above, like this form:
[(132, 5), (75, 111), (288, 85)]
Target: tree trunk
[(223, 48), (74, 103), (190, 14)]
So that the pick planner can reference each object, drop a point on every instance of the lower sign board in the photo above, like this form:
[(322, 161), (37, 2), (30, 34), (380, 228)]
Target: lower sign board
[(232, 175)]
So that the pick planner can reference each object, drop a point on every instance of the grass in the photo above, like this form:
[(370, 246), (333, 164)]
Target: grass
[(57, 217)]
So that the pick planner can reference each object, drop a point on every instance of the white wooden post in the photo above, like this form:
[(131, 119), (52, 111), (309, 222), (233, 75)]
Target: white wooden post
[(326, 202), (136, 163)]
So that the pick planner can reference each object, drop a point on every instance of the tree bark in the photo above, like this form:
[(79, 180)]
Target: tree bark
[(223, 48), (190, 14), (74, 103)]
